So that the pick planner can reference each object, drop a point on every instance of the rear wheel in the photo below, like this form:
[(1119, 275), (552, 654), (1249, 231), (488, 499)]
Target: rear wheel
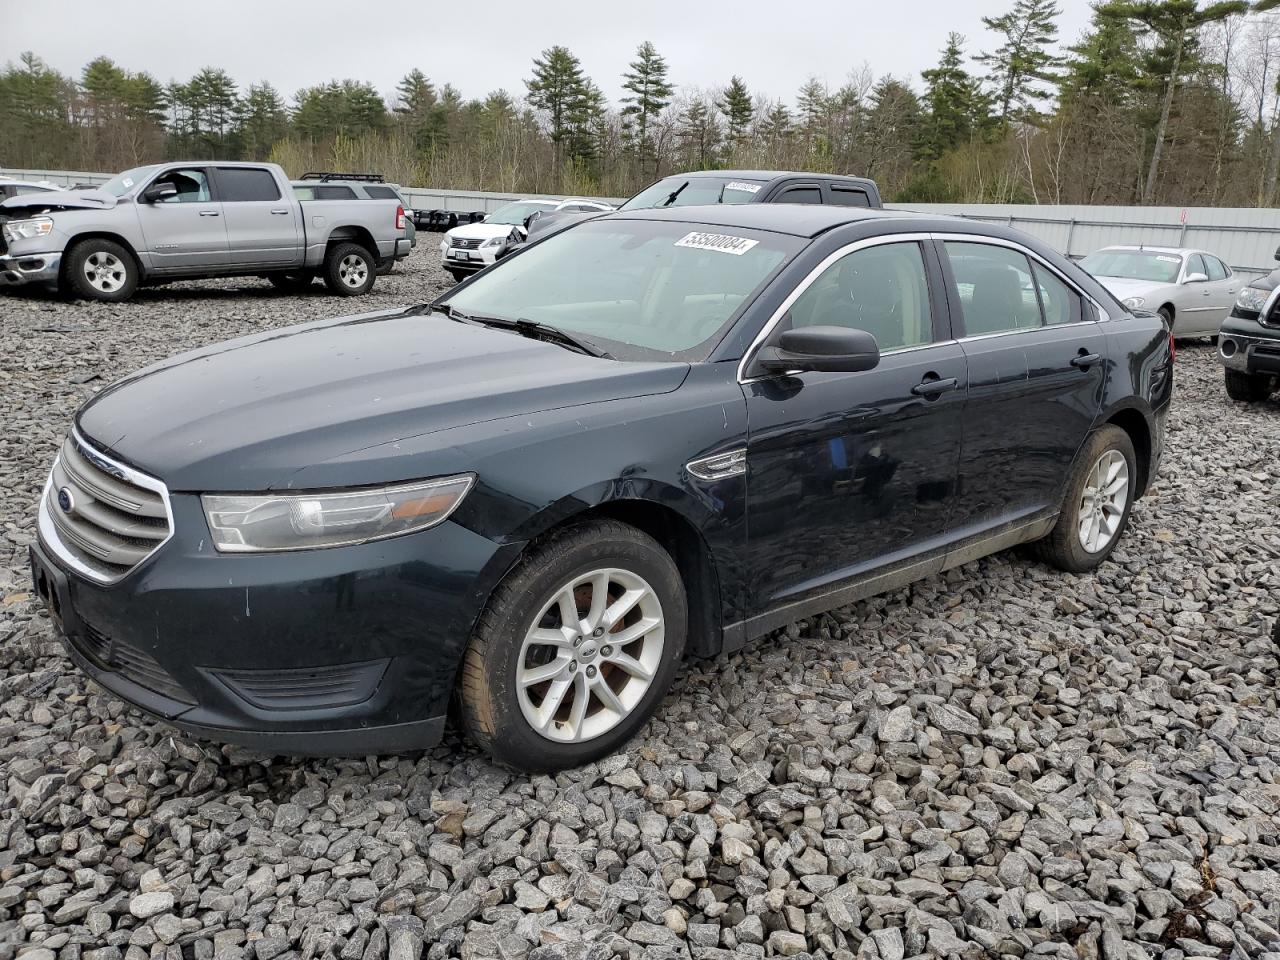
[(576, 648), (349, 269), (1248, 387), (1099, 497), (101, 270), (291, 282)]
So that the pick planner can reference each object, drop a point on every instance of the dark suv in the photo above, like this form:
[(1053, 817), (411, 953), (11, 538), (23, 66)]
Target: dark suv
[(1249, 341), (654, 434)]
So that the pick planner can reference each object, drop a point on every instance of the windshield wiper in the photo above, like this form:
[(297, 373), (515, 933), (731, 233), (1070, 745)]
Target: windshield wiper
[(674, 193), (531, 329)]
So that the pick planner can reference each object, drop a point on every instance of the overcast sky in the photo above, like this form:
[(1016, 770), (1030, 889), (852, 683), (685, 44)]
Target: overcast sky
[(479, 47)]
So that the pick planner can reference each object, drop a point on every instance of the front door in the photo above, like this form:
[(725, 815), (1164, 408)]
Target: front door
[(262, 226), (848, 472), (1037, 365), (184, 232)]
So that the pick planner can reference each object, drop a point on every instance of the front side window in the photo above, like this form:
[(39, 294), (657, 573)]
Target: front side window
[(883, 290), (996, 288), (192, 184), (682, 191), (247, 184), (639, 289)]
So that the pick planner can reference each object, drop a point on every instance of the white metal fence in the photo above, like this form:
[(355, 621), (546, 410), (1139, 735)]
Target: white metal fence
[(1245, 237)]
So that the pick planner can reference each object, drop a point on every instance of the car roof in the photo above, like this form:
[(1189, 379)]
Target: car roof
[(797, 219), (764, 175)]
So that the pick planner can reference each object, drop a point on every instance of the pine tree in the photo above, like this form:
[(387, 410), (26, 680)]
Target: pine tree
[(1174, 25), (735, 104), (650, 92), (261, 120), (1023, 62), (558, 87), (699, 134), (956, 109)]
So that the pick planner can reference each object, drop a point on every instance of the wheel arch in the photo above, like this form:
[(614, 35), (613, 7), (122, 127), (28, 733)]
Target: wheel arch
[(1135, 423), (78, 238), (353, 233)]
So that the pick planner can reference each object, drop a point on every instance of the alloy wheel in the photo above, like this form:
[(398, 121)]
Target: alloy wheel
[(105, 271), (590, 656), (353, 270), (1102, 503)]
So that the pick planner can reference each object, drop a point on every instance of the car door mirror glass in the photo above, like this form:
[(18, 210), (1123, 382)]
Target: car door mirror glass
[(825, 349), (158, 192), (1196, 278)]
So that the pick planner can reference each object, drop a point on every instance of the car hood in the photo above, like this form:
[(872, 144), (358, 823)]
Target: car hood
[(480, 231), (1123, 287), (250, 413), (61, 200)]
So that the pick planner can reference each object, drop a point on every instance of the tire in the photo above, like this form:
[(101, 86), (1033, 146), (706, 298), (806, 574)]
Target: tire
[(1064, 547), (458, 275), (101, 270), (1248, 387), (386, 267), (499, 712), (349, 270), (291, 282), (1166, 314)]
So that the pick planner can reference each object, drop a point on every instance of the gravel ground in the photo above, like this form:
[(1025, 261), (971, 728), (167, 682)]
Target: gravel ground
[(1003, 761)]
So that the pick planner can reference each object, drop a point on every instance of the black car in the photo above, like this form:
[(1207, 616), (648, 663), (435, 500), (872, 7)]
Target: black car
[(717, 187), (1249, 341), (656, 434)]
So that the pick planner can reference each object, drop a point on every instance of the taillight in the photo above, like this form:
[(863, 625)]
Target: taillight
[(399, 218)]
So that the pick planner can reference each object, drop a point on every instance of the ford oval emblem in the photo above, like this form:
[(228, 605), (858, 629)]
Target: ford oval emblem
[(65, 500)]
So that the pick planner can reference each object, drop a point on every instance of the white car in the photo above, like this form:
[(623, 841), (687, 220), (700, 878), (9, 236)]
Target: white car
[(469, 248), (1192, 289), (18, 188)]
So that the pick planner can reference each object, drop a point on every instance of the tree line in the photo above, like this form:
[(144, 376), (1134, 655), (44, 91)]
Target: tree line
[(1158, 102)]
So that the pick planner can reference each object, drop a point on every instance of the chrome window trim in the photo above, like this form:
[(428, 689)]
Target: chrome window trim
[(49, 533), (762, 337)]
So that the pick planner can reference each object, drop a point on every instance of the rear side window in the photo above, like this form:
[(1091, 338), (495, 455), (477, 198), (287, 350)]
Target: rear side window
[(1217, 271), (1059, 302), (996, 288), (245, 184), (799, 195), (328, 192), (381, 193), (849, 197)]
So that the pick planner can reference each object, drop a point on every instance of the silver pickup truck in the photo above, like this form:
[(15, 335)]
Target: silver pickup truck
[(174, 221)]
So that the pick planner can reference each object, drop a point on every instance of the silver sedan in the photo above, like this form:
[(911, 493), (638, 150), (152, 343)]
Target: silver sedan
[(1192, 289)]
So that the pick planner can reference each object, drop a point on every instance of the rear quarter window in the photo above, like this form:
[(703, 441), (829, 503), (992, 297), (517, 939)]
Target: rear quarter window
[(381, 193)]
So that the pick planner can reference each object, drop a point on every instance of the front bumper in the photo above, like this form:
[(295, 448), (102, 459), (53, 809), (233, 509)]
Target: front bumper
[(344, 651), (1247, 346), (476, 260), (25, 268)]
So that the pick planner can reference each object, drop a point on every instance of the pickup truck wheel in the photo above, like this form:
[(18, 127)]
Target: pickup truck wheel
[(1095, 511), (349, 269), (1248, 387), (101, 270), (290, 282), (575, 649)]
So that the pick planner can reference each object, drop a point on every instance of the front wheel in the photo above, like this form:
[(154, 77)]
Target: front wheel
[(349, 270), (101, 270), (1096, 509), (576, 648), (1248, 387)]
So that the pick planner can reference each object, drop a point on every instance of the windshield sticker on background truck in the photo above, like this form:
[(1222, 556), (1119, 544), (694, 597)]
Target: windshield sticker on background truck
[(744, 187), (718, 242)]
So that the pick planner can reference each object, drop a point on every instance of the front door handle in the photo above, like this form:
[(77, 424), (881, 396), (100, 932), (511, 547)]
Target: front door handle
[(208, 213), (932, 389), (1085, 360), (280, 213)]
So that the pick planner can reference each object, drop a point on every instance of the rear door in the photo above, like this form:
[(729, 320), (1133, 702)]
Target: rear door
[(1224, 285), (1037, 364), (184, 233), (262, 225)]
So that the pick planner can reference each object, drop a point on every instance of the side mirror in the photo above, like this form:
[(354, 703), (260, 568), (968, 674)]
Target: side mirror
[(824, 349), (1196, 278), (528, 221), (159, 191)]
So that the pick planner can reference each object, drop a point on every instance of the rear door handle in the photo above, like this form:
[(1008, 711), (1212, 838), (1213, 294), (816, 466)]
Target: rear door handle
[(280, 213), (1085, 360), (208, 213), (934, 388)]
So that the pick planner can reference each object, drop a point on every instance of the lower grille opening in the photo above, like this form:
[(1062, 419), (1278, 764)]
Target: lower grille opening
[(130, 662), (306, 688)]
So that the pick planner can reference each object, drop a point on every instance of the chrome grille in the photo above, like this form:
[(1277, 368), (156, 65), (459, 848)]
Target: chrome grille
[(100, 516), (465, 244)]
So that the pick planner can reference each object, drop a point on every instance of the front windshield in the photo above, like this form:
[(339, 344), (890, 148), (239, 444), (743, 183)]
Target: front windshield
[(122, 183), (694, 192), (516, 213), (639, 289), (1134, 265)]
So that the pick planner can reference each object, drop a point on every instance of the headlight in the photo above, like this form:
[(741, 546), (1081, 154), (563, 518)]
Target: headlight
[(1134, 302), (494, 242), (1252, 299), (302, 521), (28, 229)]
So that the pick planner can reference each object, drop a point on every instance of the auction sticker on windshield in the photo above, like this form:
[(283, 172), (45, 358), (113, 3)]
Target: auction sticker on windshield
[(719, 242), (744, 187)]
